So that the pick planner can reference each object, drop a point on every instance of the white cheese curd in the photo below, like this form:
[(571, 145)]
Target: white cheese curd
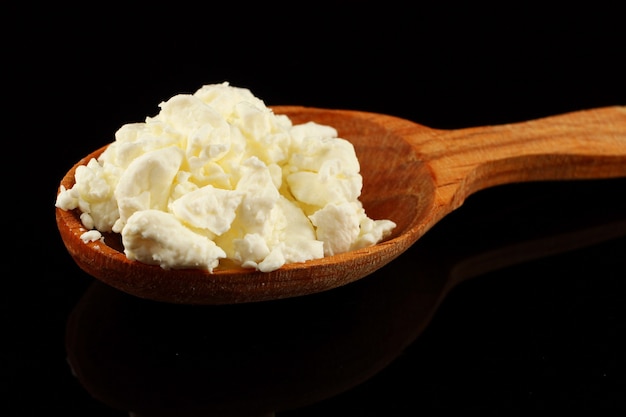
[(216, 174), (91, 236), (159, 238)]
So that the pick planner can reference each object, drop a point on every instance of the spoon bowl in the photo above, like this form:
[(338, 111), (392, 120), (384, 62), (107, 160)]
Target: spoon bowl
[(412, 174)]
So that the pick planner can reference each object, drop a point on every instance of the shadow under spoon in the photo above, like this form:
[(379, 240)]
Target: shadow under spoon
[(161, 359)]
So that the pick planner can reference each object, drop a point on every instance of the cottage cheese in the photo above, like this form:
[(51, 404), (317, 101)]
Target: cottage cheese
[(216, 174)]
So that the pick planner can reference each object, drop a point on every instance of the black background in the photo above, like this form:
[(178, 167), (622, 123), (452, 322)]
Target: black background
[(538, 336)]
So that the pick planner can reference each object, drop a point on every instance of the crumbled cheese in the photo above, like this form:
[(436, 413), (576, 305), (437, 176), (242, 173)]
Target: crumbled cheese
[(91, 236), (216, 174)]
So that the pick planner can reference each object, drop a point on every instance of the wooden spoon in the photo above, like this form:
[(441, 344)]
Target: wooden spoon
[(412, 174)]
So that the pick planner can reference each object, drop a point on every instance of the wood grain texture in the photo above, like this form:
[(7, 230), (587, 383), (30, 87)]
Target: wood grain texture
[(412, 174)]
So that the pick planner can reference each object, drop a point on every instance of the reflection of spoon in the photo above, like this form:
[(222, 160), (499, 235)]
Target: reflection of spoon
[(158, 359), (412, 175)]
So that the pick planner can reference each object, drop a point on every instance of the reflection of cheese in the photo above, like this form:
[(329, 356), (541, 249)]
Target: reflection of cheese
[(216, 174)]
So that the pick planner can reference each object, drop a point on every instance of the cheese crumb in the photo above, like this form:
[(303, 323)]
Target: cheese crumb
[(216, 174), (91, 236)]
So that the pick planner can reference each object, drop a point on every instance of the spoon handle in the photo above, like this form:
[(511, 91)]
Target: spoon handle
[(587, 144)]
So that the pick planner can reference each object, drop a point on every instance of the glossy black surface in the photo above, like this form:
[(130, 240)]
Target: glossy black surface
[(541, 332)]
